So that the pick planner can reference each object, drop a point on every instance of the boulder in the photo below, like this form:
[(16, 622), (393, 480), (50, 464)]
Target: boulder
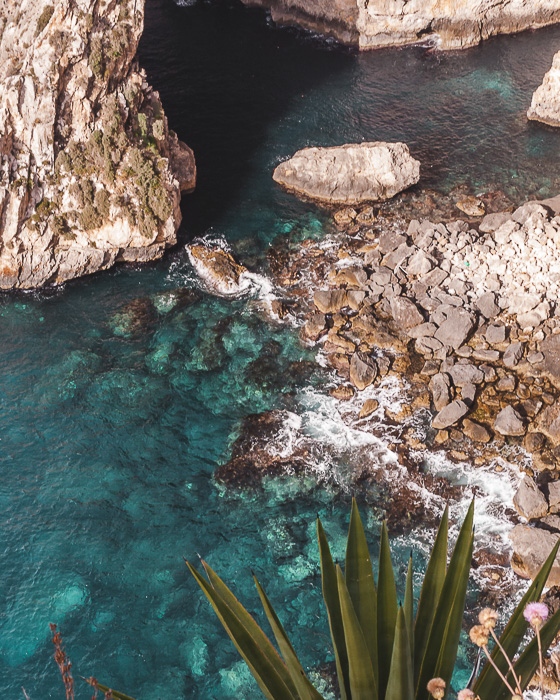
[(545, 105), (531, 546), (450, 414), (315, 327), (363, 370), (487, 305), (471, 206), (405, 313), (513, 354), (475, 431), (554, 496), (369, 407), (332, 300), (218, 269), (492, 222), (509, 422), (466, 374), (440, 389), (550, 348), (495, 335), (349, 174), (529, 500), (456, 329), (549, 423)]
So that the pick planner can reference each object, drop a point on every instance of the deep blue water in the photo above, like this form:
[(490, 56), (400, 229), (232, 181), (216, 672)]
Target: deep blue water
[(111, 432)]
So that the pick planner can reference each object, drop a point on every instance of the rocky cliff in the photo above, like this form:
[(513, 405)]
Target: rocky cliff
[(89, 172), (545, 105), (454, 24)]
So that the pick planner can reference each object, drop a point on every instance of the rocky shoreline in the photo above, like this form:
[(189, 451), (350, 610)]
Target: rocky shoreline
[(449, 25)]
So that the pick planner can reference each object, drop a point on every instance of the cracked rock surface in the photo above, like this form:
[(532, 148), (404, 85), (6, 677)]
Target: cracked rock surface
[(89, 172)]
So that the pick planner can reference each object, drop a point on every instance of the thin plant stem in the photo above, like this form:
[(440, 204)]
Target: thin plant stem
[(537, 629), (506, 657), (491, 660)]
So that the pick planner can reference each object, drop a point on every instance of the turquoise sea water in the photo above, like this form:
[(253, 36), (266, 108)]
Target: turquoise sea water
[(119, 395)]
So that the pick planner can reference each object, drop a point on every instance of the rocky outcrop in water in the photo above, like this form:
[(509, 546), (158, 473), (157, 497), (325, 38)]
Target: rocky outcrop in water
[(89, 172), (349, 174), (218, 269), (545, 105), (454, 24)]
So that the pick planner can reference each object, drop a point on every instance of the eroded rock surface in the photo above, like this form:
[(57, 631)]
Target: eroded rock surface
[(89, 172), (545, 105), (453, 25), (350, 174)]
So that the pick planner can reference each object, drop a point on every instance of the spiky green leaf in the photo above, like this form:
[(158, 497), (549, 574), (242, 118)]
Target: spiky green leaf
[(250, 641), (305, 689), (360, 583), (408, 606), (430, 593), (387, 606), (332, 603), (528, 661), (441, 649), (106, 689), (360, 670), (401, 676)]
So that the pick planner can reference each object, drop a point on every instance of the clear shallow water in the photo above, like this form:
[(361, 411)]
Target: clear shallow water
[(113, 422)]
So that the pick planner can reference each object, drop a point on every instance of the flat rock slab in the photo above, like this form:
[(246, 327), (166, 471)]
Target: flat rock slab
[(450, 414), (550, 348), (350, 174), (531, 546), (509, 422), (529, 501), (456, 329)]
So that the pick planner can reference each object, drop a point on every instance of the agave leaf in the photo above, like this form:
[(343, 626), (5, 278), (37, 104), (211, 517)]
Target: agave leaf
[(528, 661), (250, 641), (305, 689), (401, 676), (441, 649), (387, 606), (408, 606), (359, 581), (489, 684), (332, 603), (430, 593), (360, 670), (115, 693)]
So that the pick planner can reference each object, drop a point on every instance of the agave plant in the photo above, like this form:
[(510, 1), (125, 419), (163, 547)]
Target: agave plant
[(382, 649)]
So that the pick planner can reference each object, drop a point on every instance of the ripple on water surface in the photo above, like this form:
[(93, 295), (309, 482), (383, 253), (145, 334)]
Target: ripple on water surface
[(120, 394)]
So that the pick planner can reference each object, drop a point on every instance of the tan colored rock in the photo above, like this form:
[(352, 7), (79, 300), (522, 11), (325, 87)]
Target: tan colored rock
[(369, 407), (218, 269), (529, 500), (452, 24), (545, 105), (531, 546), (351, 173), (79, 188), (344, 392)]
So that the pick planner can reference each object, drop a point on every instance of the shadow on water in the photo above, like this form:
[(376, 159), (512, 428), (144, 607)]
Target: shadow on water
[(220, 100)]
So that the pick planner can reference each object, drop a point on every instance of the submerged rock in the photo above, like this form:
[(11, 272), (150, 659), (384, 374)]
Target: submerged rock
[(351, 173), (218, 269), (270, 443)]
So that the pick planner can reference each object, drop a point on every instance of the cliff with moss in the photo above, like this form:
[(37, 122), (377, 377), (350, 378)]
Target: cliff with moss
[(90, 174), (452, 24)]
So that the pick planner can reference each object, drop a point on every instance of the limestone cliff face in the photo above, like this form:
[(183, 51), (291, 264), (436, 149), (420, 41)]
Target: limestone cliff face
[(454, 24), (545, 105), (89, 173)]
